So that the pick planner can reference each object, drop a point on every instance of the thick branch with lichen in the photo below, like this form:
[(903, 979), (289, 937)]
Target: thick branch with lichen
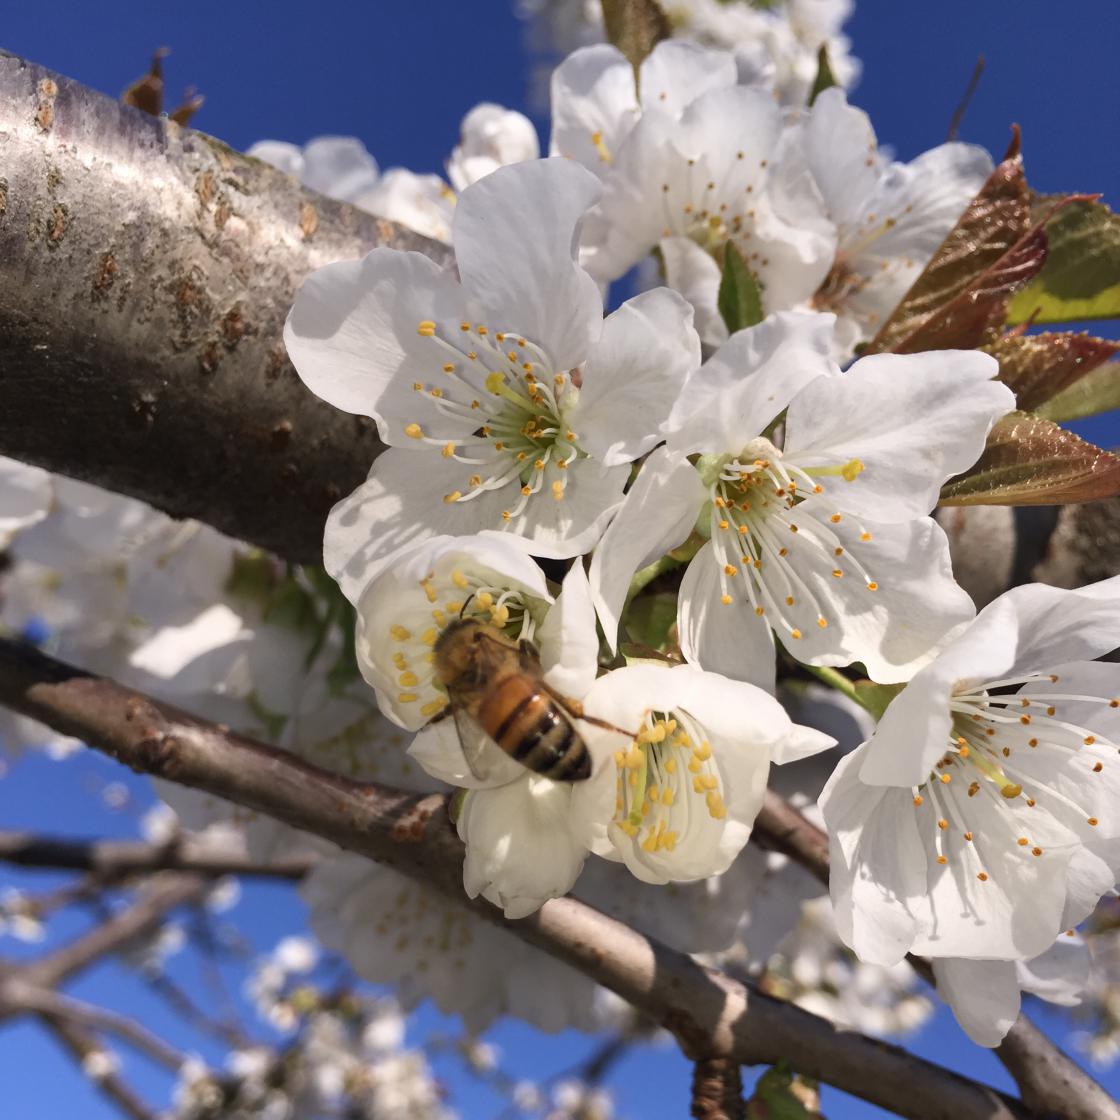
[(149, 269), (711, 1015)]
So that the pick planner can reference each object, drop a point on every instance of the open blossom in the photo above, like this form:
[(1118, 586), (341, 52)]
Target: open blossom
[(402, 613), (679, 801), (506, 400), (527, 836), (889, 216), (698, 162), (819, 536), (979, 821)]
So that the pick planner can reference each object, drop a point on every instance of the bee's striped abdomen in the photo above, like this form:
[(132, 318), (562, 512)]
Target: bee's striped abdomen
[(530, 727)]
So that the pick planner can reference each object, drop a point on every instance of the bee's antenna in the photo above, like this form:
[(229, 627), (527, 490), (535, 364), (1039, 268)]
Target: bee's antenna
[(463, 608)]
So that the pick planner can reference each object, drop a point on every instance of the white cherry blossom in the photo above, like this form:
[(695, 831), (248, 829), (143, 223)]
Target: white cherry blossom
[(889, 216), (527, 836), (394, 930), (337, 166), (506, 400), (775, 49), (698, 162), (979, 821), (402, 613), (491, 136), (818, 535), (681, 798)]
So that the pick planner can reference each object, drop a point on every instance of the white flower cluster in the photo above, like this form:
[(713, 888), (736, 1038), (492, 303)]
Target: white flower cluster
[(776, 43), (592, 539), (351, 1058), (553, 476)]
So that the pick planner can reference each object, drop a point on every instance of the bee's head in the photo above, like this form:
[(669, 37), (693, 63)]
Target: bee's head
[(456, 651)]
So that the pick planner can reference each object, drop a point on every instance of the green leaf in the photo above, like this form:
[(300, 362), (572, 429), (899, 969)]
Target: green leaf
[(1081, 279), (782, 1095), (650, 618), (1039, 366), (739, 300), (293, 607), (253, 577), (1030, 461), (635, 27), (272, 722), (1098, 391), (825, 79), (990, 228)]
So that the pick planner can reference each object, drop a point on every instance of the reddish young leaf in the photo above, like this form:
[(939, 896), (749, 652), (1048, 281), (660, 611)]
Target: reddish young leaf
[(1030, 461), (981, 306), (1038, 367), (146, 93), (992, 226)]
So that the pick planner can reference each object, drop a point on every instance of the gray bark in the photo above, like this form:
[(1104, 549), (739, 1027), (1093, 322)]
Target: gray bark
[(147, 272)]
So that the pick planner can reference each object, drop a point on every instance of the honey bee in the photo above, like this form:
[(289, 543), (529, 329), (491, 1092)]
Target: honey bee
[(497, 691)]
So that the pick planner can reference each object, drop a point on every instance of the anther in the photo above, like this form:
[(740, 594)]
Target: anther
[(414, 431), (426, 327)]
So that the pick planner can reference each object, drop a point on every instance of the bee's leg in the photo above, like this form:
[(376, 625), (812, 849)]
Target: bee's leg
[(440, 716), (575, 709)]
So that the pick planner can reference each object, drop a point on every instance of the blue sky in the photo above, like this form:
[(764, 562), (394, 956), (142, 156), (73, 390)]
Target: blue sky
[(400, 76)]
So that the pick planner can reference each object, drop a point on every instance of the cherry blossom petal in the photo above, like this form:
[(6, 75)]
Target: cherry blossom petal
[(516, 233), (352, 335), (594, 106), (424, 203), (878, 871), (568, 642), (658, 514), (750, 379), (719, 635), (491, 136), (693, 272), (520, 848), (910, 420), (984, 996), (632, 380), (676, 72), (887, 601)]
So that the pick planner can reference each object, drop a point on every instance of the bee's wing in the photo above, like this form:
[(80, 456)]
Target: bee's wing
[(473, 741)]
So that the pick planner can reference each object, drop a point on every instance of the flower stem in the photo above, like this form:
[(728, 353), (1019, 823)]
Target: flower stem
[(835, 679), (648, 574), (874, 698)]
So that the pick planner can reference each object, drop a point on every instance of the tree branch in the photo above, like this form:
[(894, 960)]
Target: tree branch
[(149, 269), (710, 1014), (43, 1001), (115, 858), (164, 894), (80, 1043)]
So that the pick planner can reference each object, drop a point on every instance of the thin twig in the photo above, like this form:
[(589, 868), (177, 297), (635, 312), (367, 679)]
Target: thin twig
[(124, 857), (966, 99), (58, 1006), (80, 1044)]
